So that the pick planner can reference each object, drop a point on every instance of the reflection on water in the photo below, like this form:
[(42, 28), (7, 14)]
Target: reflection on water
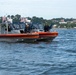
[(40, 58)]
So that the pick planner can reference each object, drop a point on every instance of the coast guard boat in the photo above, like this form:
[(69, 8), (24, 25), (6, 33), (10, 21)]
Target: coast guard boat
[(16, 33)]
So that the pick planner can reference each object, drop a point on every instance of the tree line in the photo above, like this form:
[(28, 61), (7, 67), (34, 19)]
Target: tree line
[(40, 20)]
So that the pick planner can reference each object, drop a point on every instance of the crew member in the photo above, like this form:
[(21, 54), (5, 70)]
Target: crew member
[(46, 28), (27, 28)]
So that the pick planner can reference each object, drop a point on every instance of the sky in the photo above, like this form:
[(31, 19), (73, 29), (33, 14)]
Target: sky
[(47, 9)]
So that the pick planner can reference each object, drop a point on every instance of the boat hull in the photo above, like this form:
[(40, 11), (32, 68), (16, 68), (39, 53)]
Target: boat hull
[(29, 37), (44, 36)]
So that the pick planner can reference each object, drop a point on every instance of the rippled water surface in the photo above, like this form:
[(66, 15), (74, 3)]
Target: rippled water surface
[(43, 58)]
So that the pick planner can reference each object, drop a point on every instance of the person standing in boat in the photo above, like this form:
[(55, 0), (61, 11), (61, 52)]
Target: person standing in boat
[(27, 28), (46, 28)]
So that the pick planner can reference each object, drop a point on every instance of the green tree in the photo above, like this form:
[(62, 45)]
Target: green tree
[(12, 16), (17, 18), (8, 16), (0, 19)]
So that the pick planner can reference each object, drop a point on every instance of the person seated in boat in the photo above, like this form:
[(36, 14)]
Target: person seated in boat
[(27, 28), (46, 28)]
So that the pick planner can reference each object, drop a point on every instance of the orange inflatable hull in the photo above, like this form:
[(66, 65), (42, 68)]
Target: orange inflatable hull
[(47, 35), (24, 36), (36, 36)]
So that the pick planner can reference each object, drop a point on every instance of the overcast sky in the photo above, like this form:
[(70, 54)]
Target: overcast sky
[(41, 8)]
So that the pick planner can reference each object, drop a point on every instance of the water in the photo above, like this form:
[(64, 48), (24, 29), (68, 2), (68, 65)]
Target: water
[(44, 58)]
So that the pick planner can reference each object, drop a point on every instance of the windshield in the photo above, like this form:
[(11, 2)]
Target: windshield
[(37, 26)]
